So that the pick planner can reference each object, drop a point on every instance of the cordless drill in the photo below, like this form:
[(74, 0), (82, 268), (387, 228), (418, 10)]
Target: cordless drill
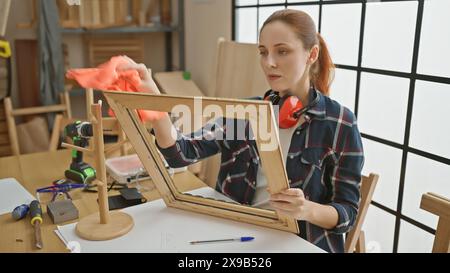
[(79, 171)]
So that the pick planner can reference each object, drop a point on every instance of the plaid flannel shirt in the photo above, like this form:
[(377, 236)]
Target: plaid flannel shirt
[(325, 160)]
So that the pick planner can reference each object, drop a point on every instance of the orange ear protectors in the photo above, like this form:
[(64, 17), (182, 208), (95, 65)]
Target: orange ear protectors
[(291, 108)]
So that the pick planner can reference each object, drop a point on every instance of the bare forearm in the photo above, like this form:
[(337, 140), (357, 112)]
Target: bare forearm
[(165, 132), (323, 216)]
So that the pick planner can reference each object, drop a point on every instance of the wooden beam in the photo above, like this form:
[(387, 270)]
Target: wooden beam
[(54, 138), (368, 184), (440, 206), (4, 12), (13, 140), (442, 238), (33, 16), (80, 149), (436, 204), (39, 110)]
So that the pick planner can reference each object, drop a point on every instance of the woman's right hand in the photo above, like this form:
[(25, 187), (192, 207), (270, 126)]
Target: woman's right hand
[(165, 132), (148, 85)]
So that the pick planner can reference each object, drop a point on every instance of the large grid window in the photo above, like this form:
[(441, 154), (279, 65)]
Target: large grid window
[(393, 72)]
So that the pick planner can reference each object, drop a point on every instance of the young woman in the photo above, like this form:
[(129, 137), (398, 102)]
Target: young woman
[(323, 151)]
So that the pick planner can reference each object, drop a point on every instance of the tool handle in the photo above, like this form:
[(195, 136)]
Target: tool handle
[(20, 212), (35, 212), (38, 235)]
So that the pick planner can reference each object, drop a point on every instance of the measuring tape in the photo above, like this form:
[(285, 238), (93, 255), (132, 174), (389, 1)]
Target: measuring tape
[(5, 49)]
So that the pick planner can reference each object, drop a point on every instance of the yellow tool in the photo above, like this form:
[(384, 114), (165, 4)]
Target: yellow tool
[(5, 49), (36, 221)]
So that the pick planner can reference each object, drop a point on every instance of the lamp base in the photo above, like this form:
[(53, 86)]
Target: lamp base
[(91, 229)]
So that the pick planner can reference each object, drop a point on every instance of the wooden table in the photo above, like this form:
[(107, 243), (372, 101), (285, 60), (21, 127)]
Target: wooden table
[(41, 169)]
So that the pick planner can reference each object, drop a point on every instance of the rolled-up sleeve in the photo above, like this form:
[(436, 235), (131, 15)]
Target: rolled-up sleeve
[(346, 179), (189, 149)]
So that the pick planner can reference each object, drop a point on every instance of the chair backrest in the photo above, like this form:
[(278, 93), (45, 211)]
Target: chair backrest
[(58, 127), (11, 113), (237, 73), (368, 184), (439, 206)]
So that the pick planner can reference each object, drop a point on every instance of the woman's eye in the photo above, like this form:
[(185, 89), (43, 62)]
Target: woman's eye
[(282, 52), (263, 53)]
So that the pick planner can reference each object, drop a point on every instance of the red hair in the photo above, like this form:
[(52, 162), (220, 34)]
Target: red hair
[(322, 71)]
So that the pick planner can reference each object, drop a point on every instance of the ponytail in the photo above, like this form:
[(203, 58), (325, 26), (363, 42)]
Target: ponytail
[(322, 71)]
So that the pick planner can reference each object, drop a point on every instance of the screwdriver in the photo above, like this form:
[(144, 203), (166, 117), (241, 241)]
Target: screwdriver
[(36, 221), (20, 212)]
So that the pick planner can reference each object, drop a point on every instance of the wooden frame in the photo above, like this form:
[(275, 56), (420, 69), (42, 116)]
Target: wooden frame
[(124, 105)]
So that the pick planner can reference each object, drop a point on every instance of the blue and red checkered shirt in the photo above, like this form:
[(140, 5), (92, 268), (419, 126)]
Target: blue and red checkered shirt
[(325, 160)]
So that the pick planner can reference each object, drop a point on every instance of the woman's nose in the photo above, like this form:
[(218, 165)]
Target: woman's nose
[(271, 62)]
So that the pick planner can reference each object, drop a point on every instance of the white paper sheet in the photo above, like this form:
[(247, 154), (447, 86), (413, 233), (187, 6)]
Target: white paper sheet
[(208, 192), (161, 229), (12, 194)]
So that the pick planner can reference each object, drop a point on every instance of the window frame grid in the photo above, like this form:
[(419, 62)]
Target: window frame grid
[(413, 76)]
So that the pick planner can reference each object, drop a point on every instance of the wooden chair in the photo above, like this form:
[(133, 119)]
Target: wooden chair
[(439, 206), (58, 127), (355, 239), (236, 74), (11, 113)]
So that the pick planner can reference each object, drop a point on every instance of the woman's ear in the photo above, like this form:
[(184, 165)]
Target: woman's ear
[(313, 55)]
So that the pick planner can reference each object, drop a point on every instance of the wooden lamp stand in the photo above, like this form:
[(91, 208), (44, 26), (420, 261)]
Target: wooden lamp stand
[(104, 225)]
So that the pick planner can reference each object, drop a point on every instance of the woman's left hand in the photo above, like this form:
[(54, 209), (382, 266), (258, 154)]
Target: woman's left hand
[(292, 202)]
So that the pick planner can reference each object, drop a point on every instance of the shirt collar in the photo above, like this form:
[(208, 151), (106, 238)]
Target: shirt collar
[(317, 110)]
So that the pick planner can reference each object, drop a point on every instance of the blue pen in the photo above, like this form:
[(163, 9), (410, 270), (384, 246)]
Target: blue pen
[(240, 239)]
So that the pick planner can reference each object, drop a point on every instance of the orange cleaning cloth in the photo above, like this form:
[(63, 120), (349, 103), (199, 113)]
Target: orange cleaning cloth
[(107, 77)]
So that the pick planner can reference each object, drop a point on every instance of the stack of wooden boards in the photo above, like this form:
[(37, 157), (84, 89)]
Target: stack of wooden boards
[(101, 49), (93, 14)]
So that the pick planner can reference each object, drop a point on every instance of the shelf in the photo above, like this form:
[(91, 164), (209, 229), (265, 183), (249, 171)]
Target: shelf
[(167, 30), (127, 29)]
